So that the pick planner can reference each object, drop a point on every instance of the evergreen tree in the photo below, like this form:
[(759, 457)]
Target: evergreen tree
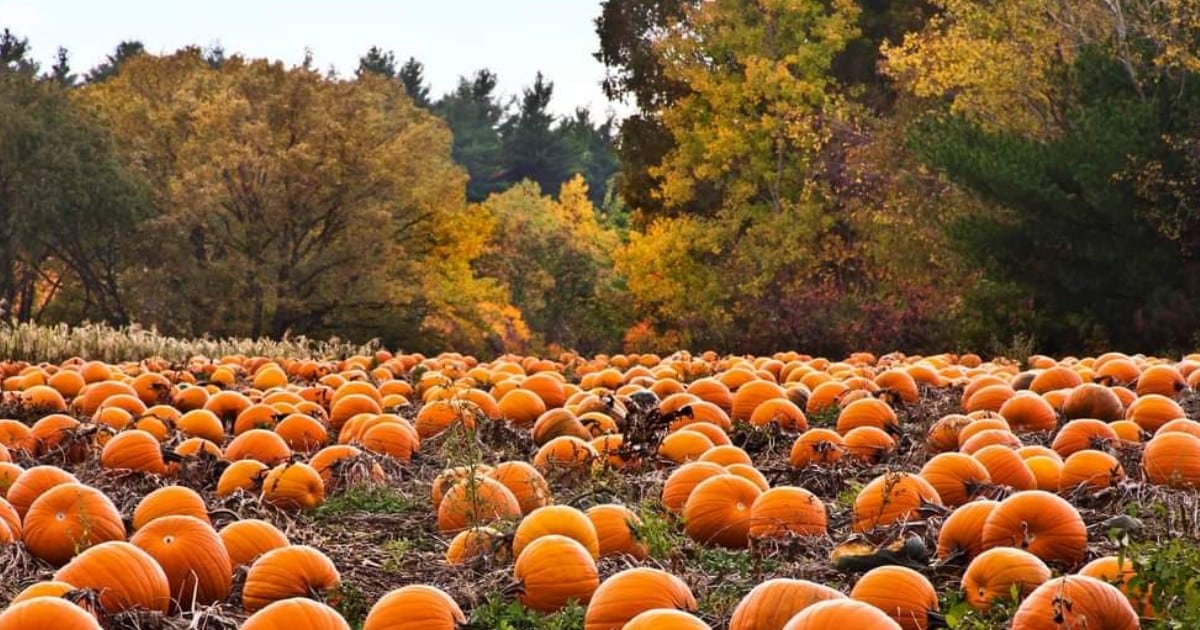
[(474, 114), (60, 72), (112, 64), (378, 62), (533, 148), (412, 77)]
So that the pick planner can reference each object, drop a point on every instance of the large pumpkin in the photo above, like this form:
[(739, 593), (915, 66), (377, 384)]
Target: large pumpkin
[(193, 557), (890, 498), (554, 570), (718, 511), (292, 571), (1170, 459), (1076, 601), (32, 483), (247, 539), (476, 501), (1039, 522), (169, 501), (905, 595), (556, 519), (133, 451), (70, 518), (125, 577), (957, 477), (296, 613), (415, 607), (772, 603), (40, 613), (623, 596), (834, 614), (787, 510)]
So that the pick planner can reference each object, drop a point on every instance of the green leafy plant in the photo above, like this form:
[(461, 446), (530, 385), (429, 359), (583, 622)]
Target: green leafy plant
[(499, 613)]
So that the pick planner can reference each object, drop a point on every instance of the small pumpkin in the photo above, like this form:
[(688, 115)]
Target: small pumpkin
[(294, 487), (556, 519), (817, 446), (477, 542), (169, 501), (961, 535), (957, 477), (246, 474), (787, 510), (665, 619), (524, 481), (617, 530), (476, 501)]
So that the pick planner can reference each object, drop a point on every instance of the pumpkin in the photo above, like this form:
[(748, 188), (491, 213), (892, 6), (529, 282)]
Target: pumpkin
[(816, 446), (786, 511), (260, 445), (169, 501), (869, 445), (1057, 377), (779, 411), (48, 588), (521, 407), (292, 571), (1119, 572), (69, 518), (617, 530), (989, 437), (302, 433), (1169, 459), (712, 391), (1047, 472), (1076, 601), (890, 498), (1128, 431), (867, 412), (415, 607), (554, 570), (996, 573), (726, 455), (841, 613), (9, 516), (136, 451), (476, 542), (57, 433), (294, 487), (255, 416), (1161, 380), (684, 446), (1029, 412), (247, 539), (124, 576), (193, 557), (524, 482), (246, 474), (625, 595), (702, 412), (905, 595), (32, 483), (565, 453), (980, 425), (476, 501), (958, 478), (665, 619), (556, 423), (718, 511), (1152, 411), (295, 613), (1090, 400), (556, 519), (989, 398), (961, 535), (943, 435), (769, 605), (438, 416), (749, 396), (46, 612), (1039, 522), (1095, 469), (1005, 467)]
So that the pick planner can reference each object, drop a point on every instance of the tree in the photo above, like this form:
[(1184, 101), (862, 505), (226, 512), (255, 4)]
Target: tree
[(412, 77), (592, 149), (474, 114), (293, 202), (376, 61), (61, 70), (112, 65), (533, 149)]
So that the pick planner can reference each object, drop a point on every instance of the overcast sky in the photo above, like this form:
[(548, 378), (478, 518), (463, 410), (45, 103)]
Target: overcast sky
[(515, 38)]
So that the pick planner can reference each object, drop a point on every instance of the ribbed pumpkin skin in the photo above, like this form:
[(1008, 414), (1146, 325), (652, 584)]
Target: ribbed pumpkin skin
[(415, 607), (169, 501), (69, 518), (1090, 400), (772, 603), (525, 482), (134, 451), (247, 539), (1005, 467), (957, 477), (1152, 411), (1094, 469), (817, 446), (245, 474), (193, 557), (1082, 434), (841, 614), (718, 511), (553, 570), (42, 613), (557, 519), (1172, 459), (48, 588), (992, 574), (683, 480), (962, 531), (890, 498), (1041, 523), (615, 530), (903, 594), (294, 487), (633, 591), (292, 571), (125, 576), (787, 510), (1076, 601), (294, 614), (476, 501), (476, 542), (665, 620), (32, 483)]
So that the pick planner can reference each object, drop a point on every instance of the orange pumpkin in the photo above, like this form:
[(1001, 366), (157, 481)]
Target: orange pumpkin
[(1039, 522), (247, 539), (246, 474), (684, 446), (905, 595), (1090, 400), (961, 535), (1076, 601), (1005, 467), (1169, 459), (134, 451), (817, 446), (292, 571), (169, 501), (890, 498), (46, 612), (565, 453), (70, 518), (260, 445), (867, 412), (943, 436), (415, 607), (869, 445), (996, 573), (617, 530), (1095, 469), (683, 480), (554, 570), (841, 613), (556, 519), (476, 542), (631, 592), (33, 483), (958, 478), (524, 482), (193, 557), (666, 619), (476, 501), (125, 577), (1161, 380), (1152, 411), (296, 612), (786, 511), (294, 487), (772, 603), (1120, 572), (718, 511)]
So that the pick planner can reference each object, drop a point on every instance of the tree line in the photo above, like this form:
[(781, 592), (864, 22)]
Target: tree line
[(824, 175)]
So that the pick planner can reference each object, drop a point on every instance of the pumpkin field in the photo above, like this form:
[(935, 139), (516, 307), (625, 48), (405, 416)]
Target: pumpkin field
[(629, 491)]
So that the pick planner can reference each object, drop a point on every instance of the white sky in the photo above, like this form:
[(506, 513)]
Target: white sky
[(514, 38)]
